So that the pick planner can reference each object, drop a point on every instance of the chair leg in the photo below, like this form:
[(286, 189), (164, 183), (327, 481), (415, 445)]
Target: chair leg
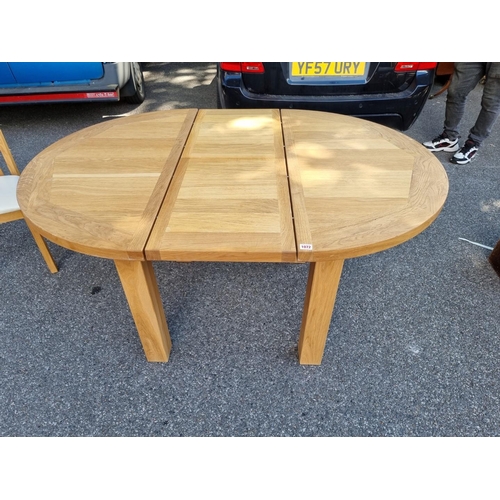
[(44, 249)]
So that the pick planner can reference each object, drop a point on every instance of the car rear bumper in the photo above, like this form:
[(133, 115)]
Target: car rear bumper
[(398, 110)]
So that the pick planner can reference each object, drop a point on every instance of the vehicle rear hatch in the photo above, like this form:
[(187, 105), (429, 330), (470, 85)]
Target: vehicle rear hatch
[(327, 79)]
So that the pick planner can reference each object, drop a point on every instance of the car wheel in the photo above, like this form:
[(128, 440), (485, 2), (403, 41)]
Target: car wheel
[(138, 80), (219, 100)]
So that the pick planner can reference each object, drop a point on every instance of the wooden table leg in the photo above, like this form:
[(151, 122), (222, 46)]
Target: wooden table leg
[(141, 289), (321, 291)]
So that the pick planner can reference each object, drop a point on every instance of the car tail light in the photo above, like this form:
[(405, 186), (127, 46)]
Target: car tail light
[(414, 66), (242, 67), (233, 67)]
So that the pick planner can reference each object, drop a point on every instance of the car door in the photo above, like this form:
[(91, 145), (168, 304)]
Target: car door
[(48, 73), (6, 76)]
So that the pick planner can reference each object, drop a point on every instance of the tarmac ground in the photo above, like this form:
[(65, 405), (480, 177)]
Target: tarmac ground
[(413, 347)]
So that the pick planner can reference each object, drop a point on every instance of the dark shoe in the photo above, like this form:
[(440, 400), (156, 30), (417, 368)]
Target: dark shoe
[(442, 143), (466, 154)]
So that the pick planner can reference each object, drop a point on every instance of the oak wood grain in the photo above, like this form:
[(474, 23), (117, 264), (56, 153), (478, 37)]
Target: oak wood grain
[(229, 199), (357, 187), (322, 286), (232, 185), (141, 290), (98, 191)]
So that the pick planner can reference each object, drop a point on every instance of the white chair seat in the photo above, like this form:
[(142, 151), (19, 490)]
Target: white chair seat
[(8, 199)]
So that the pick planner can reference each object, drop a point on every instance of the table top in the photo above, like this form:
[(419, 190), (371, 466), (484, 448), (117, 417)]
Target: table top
[(233, 185)]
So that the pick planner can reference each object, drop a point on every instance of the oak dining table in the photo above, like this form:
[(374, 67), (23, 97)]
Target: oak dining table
[(241, 185)]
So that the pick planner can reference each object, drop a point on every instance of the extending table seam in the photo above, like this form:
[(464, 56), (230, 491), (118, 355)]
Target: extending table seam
[(160, 205), (289, 188)]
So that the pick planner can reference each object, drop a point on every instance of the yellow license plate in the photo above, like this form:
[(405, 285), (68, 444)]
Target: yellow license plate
[(335, 69)]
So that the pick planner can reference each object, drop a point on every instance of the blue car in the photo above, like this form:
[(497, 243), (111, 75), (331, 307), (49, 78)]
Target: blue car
[(43, 82)]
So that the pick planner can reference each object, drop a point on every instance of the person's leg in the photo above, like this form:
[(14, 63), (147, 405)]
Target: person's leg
[(490, 108), (465, 78)]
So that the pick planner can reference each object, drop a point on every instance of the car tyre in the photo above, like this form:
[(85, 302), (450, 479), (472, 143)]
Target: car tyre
[(138, 81), (219, 101)]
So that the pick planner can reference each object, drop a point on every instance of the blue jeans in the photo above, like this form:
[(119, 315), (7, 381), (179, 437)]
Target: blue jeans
[(464, 79)]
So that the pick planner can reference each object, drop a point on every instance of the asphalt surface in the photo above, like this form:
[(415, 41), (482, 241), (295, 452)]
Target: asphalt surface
[(413, 347)]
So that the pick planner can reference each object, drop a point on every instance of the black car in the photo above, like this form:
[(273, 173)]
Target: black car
[(391, 93)]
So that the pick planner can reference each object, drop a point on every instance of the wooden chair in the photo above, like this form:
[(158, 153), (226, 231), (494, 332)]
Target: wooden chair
[(9, 208)]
